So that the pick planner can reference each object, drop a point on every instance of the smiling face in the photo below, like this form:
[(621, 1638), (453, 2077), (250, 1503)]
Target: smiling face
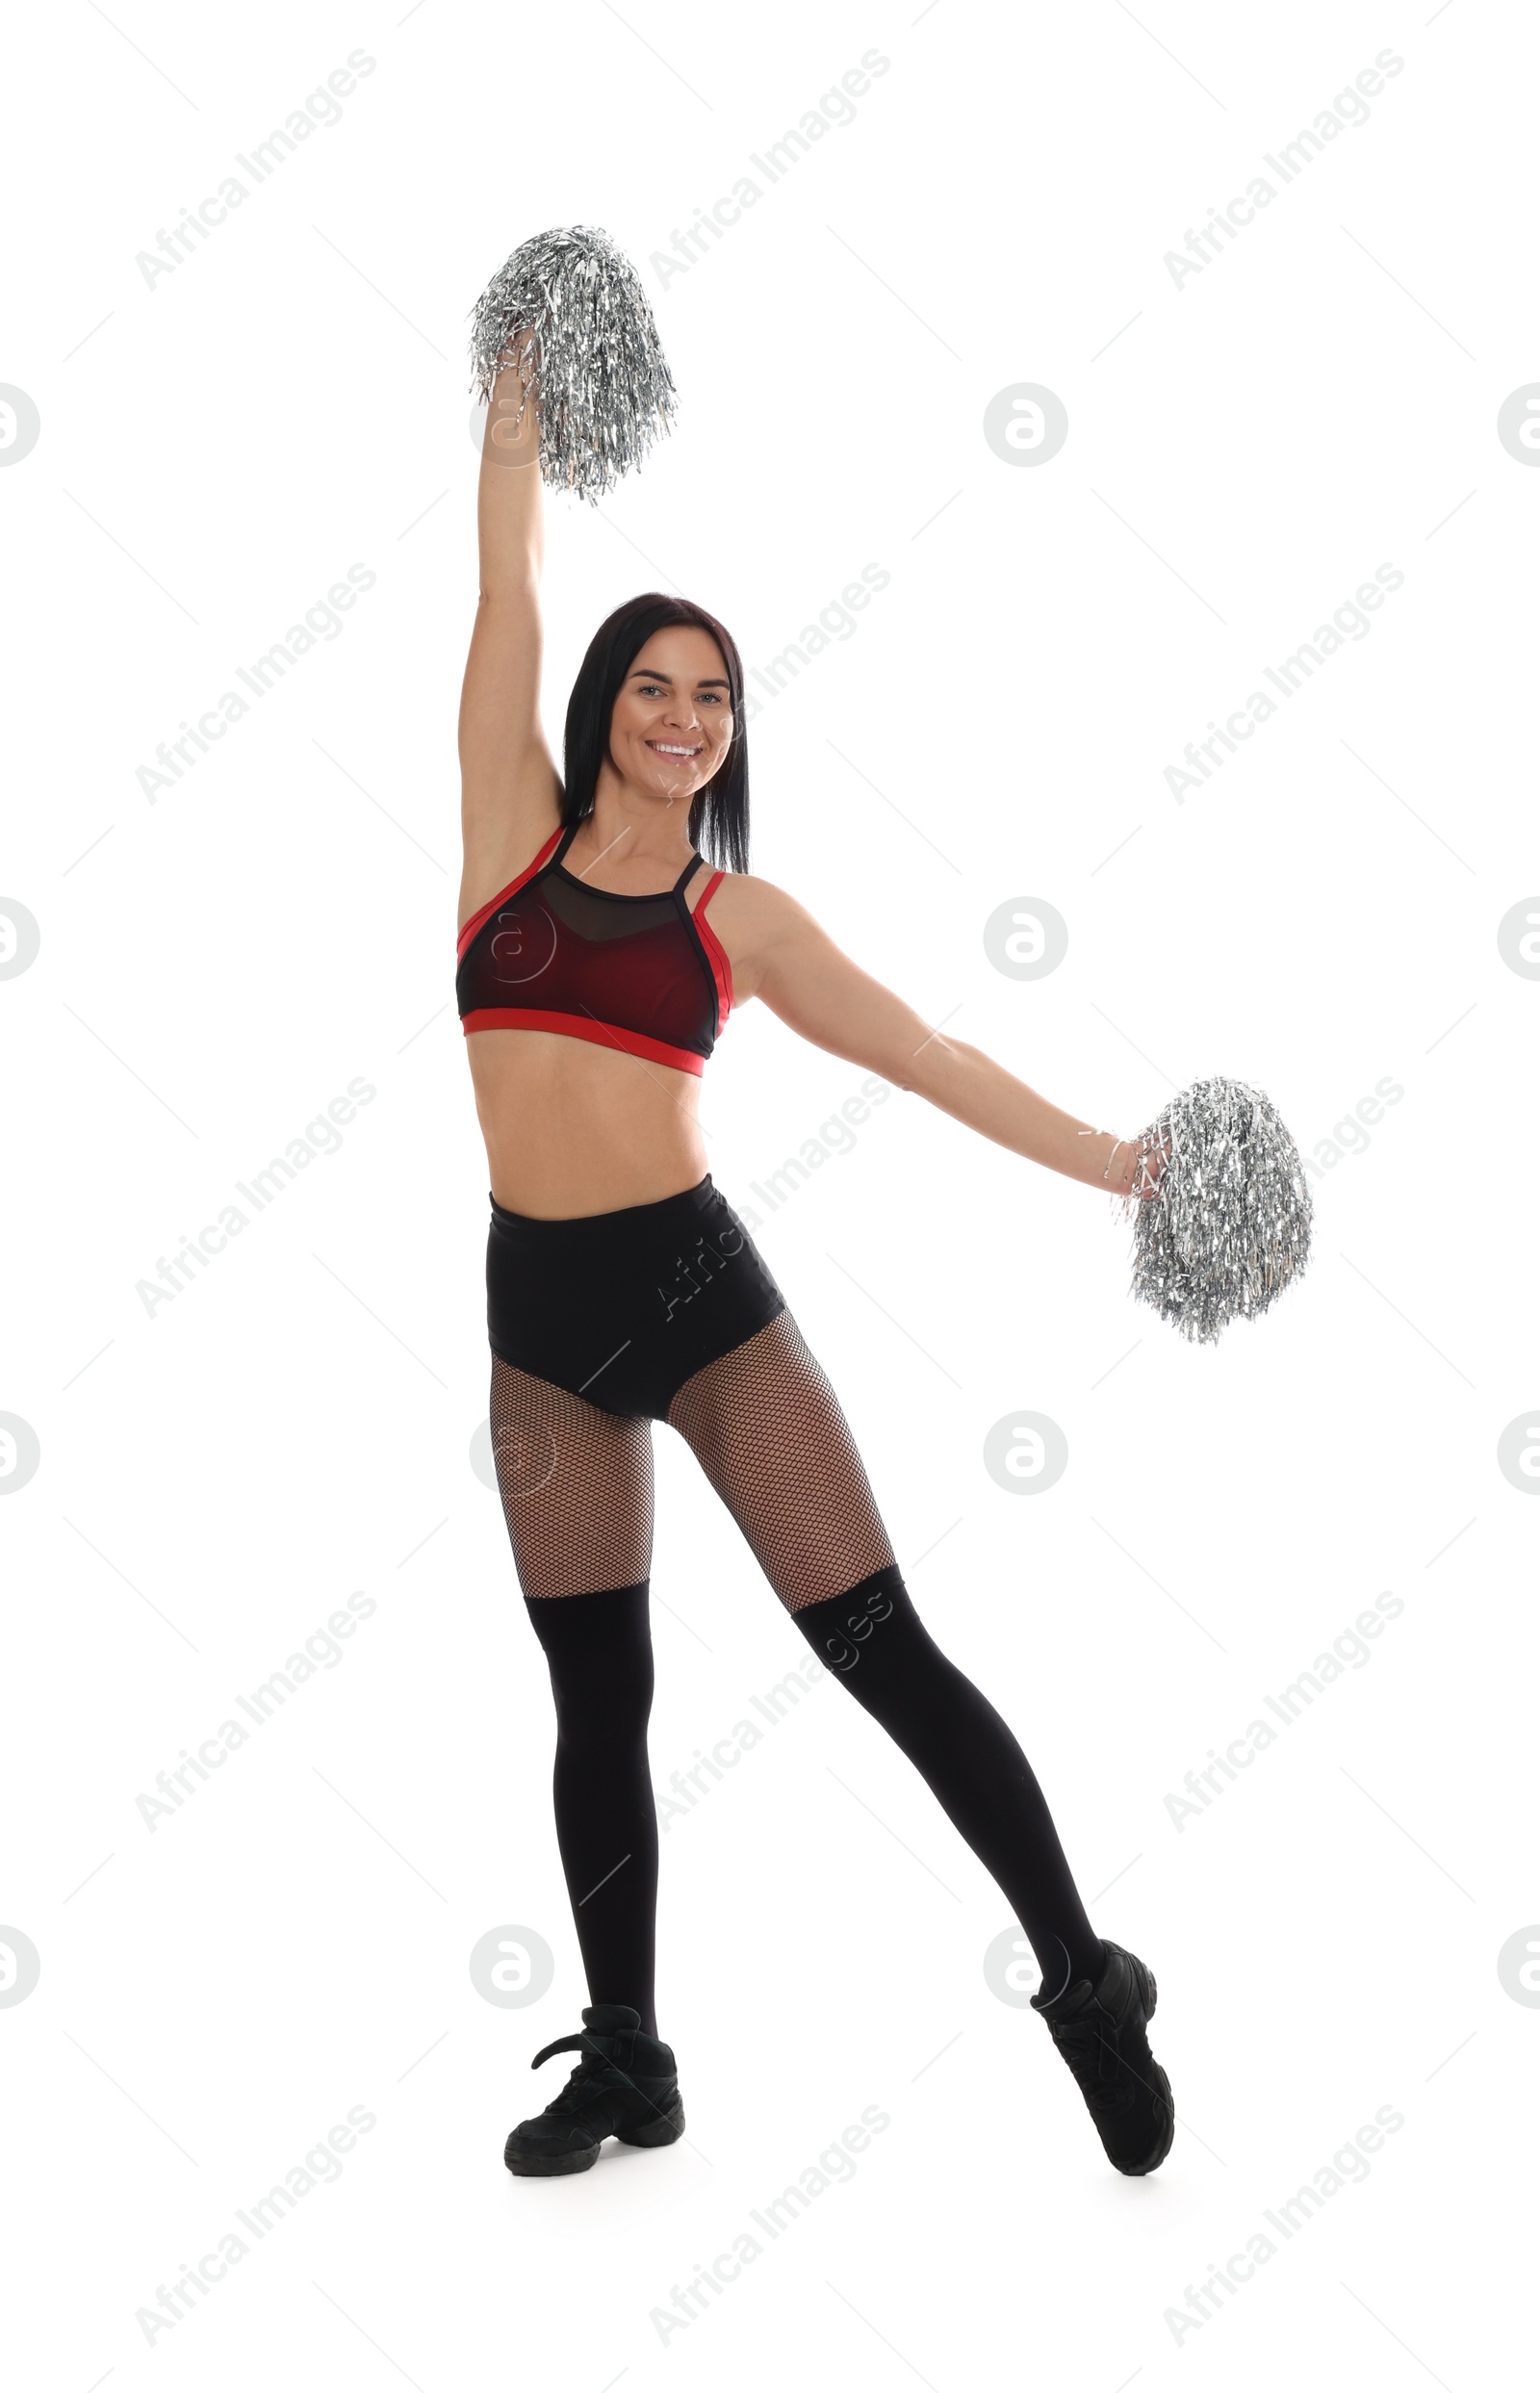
[(672, 724)]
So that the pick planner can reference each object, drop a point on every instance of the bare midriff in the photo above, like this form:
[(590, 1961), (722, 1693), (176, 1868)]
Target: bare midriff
[(574, 1128)]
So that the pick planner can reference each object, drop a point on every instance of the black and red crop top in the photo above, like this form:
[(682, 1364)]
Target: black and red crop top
[(643, 974)]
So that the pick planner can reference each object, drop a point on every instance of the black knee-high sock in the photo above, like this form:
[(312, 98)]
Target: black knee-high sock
[(600, 1650), (874, 1641)]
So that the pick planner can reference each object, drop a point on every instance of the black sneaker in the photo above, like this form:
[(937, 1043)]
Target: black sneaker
[(1100, 2032), (624, 2086)]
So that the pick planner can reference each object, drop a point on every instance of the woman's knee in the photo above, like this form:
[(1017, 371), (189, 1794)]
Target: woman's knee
[(599, 1647), (844, 1629)]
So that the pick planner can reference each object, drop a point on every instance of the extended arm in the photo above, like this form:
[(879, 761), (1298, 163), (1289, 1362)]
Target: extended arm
[(509, 785), (816, 989)]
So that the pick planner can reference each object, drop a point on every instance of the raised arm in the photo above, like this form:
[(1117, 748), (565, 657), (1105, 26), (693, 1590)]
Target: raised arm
[(509, 787), (795, 966)]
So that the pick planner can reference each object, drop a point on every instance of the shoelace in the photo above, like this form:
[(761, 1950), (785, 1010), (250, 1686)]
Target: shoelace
[(582, 2042), (1092, 2052), (595, 2073), (589, 2075), (584, 2082)]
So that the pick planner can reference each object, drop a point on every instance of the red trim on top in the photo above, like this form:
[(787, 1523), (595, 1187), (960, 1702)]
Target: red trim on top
[(721, 968), (469, 930), (584, 1026)]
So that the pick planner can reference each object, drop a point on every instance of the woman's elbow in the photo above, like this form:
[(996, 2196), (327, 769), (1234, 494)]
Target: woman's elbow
[(932, 1068)]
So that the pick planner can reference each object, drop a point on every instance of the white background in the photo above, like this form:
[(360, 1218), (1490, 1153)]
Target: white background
[(1245, 450)]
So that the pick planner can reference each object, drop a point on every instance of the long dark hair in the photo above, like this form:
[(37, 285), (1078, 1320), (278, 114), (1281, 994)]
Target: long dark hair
[(719, 812)]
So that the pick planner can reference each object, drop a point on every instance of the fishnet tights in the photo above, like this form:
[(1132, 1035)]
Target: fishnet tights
[(576, 1486), (766, 1427)]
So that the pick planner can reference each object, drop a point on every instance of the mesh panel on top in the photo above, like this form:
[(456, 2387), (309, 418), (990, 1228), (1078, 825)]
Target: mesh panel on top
[(557, 947)]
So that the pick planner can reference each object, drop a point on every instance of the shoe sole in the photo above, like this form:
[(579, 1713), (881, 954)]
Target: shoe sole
[(534, 2162), (538, 2164), (1144, 2167), (665, 2130), (1144, 1981)]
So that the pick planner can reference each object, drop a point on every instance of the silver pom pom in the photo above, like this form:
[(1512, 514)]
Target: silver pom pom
[(601, 385), (1229, 1226)]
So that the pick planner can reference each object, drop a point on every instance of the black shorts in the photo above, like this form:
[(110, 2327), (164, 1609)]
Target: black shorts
[(623, 1307)]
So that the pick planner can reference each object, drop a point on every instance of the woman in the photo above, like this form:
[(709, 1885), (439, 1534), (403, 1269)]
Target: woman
[(623, 1289)]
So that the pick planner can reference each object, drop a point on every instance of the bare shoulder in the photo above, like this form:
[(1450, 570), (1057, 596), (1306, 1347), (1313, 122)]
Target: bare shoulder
[(753, 918), (744, 902)]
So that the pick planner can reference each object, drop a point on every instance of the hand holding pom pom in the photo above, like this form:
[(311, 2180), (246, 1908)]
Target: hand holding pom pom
[(1223, 1214), (1134, 1170), (593, 360)]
